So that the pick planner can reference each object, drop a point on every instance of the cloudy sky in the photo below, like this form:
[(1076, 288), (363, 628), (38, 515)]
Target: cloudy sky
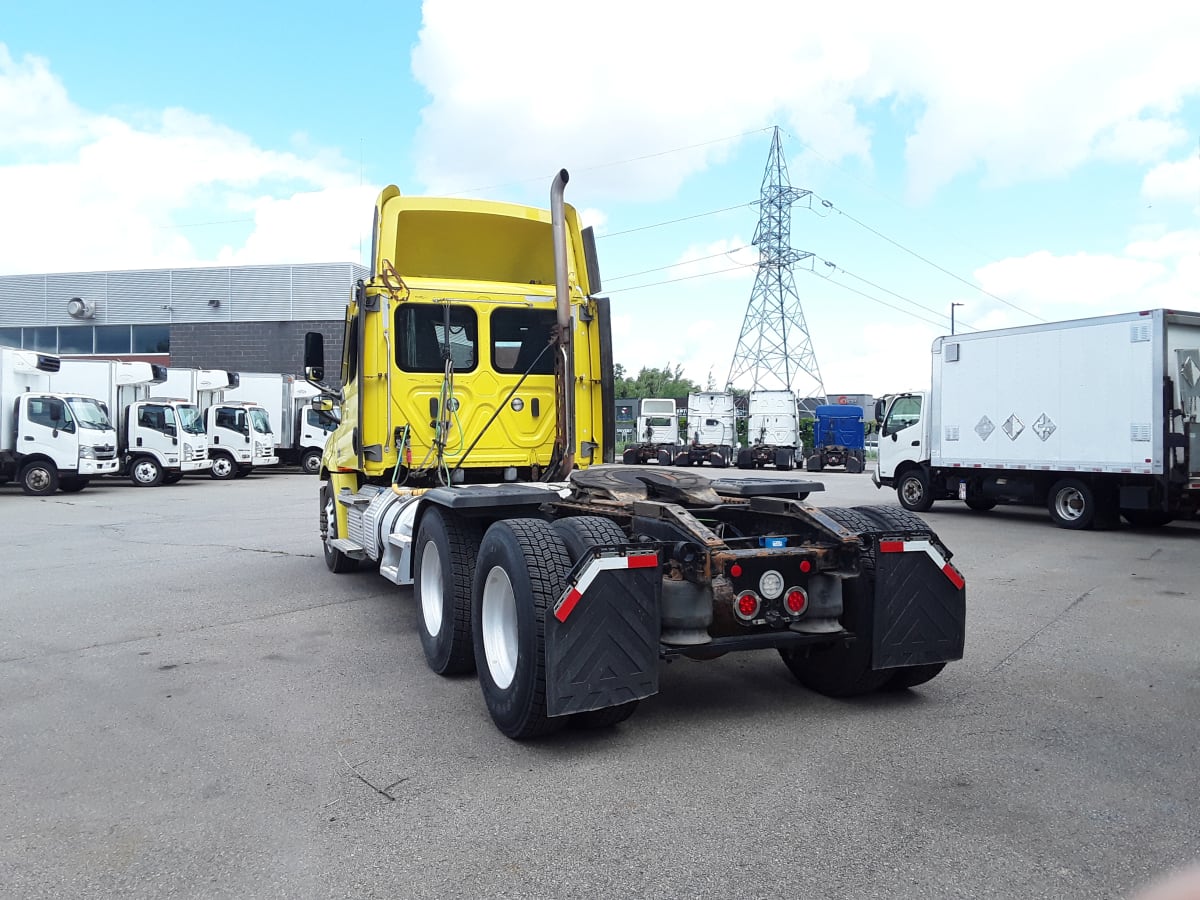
[(1035, 162)]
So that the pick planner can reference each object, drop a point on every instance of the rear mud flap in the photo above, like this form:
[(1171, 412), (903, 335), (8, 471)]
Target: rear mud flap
[(602, 638), (920, 606)]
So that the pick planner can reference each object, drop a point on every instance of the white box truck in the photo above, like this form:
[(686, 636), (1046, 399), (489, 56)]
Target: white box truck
[(657, 433), (158, 440), (1094, 418), (772, 431), (711, 430), (238, 432), (298, 429), (49, 440)]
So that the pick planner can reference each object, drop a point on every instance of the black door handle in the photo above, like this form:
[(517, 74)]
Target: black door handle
[(916, 443)]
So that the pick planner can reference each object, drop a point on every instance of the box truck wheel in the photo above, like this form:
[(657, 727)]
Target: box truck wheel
[(335, 560), (1072, 504), (1139, 518), (223, 467), (39, 478), (146, 472), (842, 669), (980, 504), (73, 484), (521, 571), (913, 491), (310, 462), (444, 556)]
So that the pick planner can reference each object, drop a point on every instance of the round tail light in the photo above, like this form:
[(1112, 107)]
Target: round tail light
[(795, 601), (747, 605)]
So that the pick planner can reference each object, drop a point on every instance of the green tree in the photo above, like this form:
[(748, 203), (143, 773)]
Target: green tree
[(653, 382)]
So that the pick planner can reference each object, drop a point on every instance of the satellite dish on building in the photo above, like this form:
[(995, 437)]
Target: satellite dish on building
[(78, 308)]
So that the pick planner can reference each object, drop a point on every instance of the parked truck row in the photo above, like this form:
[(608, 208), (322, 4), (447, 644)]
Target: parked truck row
[(66, 421), (473, 476)]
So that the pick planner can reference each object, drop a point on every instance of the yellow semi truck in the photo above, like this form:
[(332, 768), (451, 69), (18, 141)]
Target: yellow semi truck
[(477, 411)]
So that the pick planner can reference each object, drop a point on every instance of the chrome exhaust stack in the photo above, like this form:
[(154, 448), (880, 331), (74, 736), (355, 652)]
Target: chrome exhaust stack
[(564, 364)]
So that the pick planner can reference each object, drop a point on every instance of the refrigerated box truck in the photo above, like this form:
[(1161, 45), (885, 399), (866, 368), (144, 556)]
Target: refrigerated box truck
[(238, 432), (299, 430), (1094, 418)]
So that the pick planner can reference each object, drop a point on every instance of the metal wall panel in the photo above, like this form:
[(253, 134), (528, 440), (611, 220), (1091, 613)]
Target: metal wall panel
[(321, 292), (61, 288), (139, 297), (261, 293), (23, 300), (200, 295)]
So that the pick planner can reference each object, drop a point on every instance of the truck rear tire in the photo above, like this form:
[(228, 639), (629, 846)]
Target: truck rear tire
[(913, 491), (521, 571), (630, 457), (854, 465), (604, 718), (783, 460), (223, 467), (335, 560), (1072, 504), (717, 460), (39, 478), (665, 458), (310, 462), (145, 472), (73, 484), (444, 555), (843, 669), (815, 463), (911, 676), (745, 459)]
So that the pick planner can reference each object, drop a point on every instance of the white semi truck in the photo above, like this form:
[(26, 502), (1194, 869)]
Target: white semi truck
[(49, 440), (299, 430), (1093, 418), (657, 432), (711, 430), (238, 432), (158, 440), (773, 431)]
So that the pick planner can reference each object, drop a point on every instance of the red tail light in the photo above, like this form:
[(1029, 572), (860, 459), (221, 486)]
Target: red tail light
[(796, 601), (747, 605)]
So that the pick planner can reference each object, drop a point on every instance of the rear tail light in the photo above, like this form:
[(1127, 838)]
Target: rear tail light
[(795, 601), (747, 605)]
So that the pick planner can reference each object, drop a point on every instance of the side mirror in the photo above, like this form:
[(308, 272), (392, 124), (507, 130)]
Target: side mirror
[(323, 404), (314, 356), (879, 410)]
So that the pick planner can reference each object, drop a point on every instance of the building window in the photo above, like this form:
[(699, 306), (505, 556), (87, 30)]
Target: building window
[(112, 338), (151, 339), (44, 339), (75, 340), (10, 337)]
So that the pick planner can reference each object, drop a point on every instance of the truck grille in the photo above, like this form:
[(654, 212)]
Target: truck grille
[(105, 452)]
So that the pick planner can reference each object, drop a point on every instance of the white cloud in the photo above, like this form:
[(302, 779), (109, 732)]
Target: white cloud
[(1174, 181), (728, 258), (1045, 91), (94, 192)]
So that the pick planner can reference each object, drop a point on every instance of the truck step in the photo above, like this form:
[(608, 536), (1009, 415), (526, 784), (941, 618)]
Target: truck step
[(348, 547)]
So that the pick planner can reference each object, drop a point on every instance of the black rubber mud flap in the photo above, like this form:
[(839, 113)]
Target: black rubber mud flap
[(920, 606), (602, 635)]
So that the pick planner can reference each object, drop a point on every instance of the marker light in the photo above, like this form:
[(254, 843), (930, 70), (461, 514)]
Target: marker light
[(747, 605), (796, 601)]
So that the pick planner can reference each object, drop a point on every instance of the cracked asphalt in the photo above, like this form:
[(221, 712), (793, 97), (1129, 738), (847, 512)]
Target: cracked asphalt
[(191, 705)]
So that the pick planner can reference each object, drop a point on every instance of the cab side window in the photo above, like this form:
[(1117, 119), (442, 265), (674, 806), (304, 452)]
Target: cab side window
[(49, 412), (905, 412), (233, 419)]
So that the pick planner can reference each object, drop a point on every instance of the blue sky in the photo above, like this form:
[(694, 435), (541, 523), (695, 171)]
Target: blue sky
[(1053, 167)]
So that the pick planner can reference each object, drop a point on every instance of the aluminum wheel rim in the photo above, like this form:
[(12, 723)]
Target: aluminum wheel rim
[(912, 490), (1069, 504), (499, 625), (144, 472), (431, 589)]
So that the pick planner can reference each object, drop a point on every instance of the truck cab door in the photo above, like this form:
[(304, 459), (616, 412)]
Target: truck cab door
[(153, 427), (45, 426), (903, 435)]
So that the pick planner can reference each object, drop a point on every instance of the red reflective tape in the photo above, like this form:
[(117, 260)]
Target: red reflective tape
[(643, 561), (955, 579), (891, 546), (568, 604)]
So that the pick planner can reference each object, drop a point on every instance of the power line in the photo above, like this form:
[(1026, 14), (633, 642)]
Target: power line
[(711, 212), (898, 309), (880, 287), (829, 205), (638, 287), (608, 278)]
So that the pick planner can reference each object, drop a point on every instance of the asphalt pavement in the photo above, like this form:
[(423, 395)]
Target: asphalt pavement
[(191, 705)]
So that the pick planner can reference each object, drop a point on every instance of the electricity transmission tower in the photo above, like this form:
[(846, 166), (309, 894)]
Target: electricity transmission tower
[(774, 347)]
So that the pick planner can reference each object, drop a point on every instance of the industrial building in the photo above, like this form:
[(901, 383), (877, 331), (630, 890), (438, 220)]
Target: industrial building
[(240, 318)]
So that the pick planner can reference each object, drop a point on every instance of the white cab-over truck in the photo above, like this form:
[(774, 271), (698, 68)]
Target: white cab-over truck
[(49, 440), (158, 440), (773, 431), (1093, 418), (299, 429), (657, 433), (238, 432), (711, 430)]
